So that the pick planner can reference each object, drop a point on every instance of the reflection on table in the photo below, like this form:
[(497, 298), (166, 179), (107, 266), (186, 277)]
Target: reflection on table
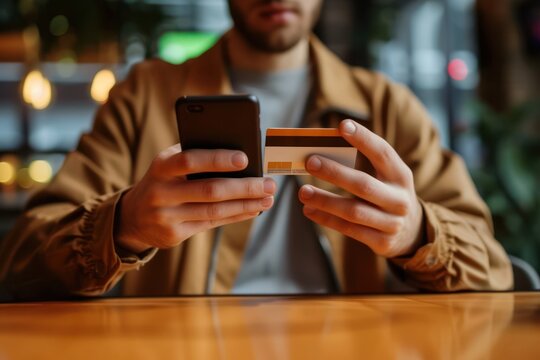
[(458, 326)]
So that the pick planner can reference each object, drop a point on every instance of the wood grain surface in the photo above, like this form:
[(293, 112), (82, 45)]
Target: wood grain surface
[(457, 326)]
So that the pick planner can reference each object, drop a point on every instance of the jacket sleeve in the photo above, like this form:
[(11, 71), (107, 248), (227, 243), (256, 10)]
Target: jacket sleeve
[(63, 243), (460, 251)]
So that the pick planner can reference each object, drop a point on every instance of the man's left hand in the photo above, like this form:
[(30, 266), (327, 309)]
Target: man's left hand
[(384, 213)]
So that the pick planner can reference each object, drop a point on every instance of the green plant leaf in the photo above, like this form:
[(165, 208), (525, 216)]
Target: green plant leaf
[(515, 175)]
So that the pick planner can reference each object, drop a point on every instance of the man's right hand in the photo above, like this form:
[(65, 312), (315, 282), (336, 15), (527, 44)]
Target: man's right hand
[(163, 208)]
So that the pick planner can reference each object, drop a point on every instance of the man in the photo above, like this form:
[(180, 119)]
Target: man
[(122, 195)]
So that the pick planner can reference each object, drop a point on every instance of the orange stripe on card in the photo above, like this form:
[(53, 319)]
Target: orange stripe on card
[(302, 132), (279, 165)]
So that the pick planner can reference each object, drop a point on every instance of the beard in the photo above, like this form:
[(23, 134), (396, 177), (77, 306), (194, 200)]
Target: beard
[(278, 40)]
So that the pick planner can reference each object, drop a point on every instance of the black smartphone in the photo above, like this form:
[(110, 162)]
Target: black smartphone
[(221, 122)]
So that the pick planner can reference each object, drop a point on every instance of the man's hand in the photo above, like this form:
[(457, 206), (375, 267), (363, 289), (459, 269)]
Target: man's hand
[(384, 214), (163, 209)]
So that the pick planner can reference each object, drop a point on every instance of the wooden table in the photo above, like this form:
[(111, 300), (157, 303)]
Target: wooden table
[(458, 326)]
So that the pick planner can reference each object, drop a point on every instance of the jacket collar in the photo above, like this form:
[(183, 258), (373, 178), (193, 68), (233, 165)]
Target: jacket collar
[(335, 89), (207, 74)]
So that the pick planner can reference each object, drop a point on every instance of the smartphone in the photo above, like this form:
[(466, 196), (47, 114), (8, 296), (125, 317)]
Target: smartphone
[(221, 122)]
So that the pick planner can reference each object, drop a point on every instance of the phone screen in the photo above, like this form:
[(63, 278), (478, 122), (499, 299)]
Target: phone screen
[(221, 122)]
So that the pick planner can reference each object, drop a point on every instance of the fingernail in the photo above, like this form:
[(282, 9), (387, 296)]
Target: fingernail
[(267, 202), (239, 160), (307, 192), (314, 163), (269, 186), (308, 210), (348, 127)]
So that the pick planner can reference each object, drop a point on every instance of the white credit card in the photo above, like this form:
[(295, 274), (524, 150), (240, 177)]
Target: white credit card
[(286, 149)]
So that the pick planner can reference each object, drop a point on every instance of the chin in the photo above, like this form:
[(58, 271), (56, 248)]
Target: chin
[(276, 41)]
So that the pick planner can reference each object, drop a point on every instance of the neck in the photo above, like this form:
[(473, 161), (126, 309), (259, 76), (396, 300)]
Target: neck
[(244, 56)]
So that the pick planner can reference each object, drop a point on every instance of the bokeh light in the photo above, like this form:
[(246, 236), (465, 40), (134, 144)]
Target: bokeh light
[(37, 90), (7, 173), (40, 171), (66, 66), (103, 81), (177, 47), (458, 70), (59, 25)]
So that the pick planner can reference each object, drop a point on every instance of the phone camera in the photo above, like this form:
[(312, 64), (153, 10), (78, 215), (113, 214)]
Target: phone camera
[(195, 108)]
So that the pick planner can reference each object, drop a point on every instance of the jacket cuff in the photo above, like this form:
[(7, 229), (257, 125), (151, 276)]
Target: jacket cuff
[(132, 261), (93, 264)]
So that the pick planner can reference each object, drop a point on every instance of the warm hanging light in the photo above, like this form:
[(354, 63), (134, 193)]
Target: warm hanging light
[(103, 81), (7, 173), (37, 90), (40, 171)]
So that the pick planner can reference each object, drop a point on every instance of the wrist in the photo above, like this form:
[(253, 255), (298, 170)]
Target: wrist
[(418, 234), (122, 235), (130, 244)]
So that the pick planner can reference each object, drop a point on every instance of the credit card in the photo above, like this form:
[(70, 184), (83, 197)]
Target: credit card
[(286, 149)]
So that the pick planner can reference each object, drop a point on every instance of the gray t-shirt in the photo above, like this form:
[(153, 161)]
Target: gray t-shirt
[(283, 254)]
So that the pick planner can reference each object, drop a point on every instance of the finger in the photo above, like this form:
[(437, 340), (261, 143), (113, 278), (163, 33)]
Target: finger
[(352, 210), (380, 154), (191, 228), (374, 239), (213, 190), (218, 210), (359, 183), (172, 162)]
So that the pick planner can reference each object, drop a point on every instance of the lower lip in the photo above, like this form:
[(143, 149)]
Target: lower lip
[(279, 17)]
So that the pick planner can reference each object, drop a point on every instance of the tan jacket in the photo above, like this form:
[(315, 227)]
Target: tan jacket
[(63, 243)]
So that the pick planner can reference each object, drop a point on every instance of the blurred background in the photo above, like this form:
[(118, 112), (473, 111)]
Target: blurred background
[(475, 64)]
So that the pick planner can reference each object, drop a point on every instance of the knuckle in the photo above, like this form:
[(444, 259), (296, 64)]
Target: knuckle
[(358, 214), (403, 207), (331, 169), (185, 161), (248, 206), (349, 229), (216, 160), (211, 190), (364, 187), (214, 223), (396, 225), (383, 155), (386, 153), (253, 189), (214, 211)]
